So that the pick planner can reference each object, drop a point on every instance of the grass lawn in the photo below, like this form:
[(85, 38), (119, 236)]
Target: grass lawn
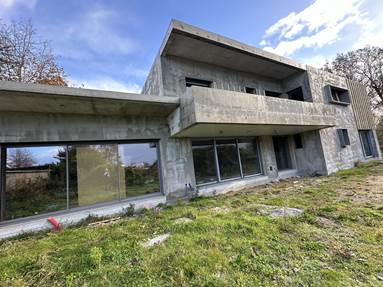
[(337, 241)]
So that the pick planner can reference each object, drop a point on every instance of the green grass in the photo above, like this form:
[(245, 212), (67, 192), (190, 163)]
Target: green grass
[(237, 247)]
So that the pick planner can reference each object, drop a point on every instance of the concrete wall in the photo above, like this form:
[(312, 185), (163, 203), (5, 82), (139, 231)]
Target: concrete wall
[(39, 127), (175, 70), (153, 83), (336, 157)]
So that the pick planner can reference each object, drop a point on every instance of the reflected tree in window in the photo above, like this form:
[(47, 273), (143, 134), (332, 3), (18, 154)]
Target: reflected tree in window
[(35, 181)]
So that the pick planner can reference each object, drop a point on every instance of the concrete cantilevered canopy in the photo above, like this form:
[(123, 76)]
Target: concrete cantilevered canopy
[(20, 97), (193, 43)]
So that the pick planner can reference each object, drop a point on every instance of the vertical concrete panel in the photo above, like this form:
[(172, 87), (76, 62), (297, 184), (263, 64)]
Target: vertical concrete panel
[(269, 162)]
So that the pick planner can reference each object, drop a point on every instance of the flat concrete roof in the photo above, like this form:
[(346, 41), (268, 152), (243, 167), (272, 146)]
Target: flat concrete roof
[(21, 97), (190, 42)]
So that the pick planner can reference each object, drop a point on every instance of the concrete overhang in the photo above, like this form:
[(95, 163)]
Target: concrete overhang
[(21, 97), (208, 112), (186, 41)]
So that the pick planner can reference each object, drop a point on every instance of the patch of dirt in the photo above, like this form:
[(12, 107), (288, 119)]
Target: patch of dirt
[(370, 191)]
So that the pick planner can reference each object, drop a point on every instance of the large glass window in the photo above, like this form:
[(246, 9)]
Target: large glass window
[(204, 161), (138, 167), (250, 161), (234, 158), (228, 159), (44, 179), (35, 181), (93, 174)]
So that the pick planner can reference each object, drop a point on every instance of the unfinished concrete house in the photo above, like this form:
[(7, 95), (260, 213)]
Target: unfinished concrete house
[(214, 115)]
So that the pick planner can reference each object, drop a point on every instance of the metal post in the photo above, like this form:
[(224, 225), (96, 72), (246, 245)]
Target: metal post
[(67, 174), (3, 162), (239, 157), (216, 160)]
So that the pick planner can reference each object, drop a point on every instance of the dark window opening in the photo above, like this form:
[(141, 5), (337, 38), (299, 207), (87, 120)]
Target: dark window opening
[(366, 137), (249, 90), (343, 137), (296, 94), (197, 82), (282, 153), (298, 141), (273, 94), (338, 95)]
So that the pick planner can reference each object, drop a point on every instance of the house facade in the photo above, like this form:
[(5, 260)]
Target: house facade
[(214, 115)]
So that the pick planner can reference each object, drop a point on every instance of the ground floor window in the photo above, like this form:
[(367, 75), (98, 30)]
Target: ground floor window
[(41, 179), (367, 139), (224, 159)]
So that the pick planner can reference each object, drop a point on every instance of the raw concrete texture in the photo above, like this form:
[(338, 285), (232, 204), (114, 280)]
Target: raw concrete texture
[(336, 157), (213, 106)]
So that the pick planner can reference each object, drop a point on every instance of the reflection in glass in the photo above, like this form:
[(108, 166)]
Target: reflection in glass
[(367, 142), (249, 156), (228, 159), (93, 174), (35, 181), (138, 167), (204, 161)]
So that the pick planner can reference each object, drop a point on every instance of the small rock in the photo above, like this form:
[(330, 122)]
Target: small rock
[(156, 240), (182, 220), (220, 210), (380, 277), (286, 211)]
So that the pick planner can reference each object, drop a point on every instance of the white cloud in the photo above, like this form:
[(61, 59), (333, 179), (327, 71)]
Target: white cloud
[(317, 61), (95, 31), (106, 83), (371, 32), (9, 6), (318, 25)]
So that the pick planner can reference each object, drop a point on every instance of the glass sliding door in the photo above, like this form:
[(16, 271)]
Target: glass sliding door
[(204, 161), (93, 174), (228, 159), (35, 181), (138, 169), (250, 160)]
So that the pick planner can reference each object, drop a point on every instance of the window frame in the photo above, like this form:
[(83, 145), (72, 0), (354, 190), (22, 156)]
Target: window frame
[(217, 171), (329, 90), (250, 90), (344, 138), (189, 82), (3, 163), (371, 138)]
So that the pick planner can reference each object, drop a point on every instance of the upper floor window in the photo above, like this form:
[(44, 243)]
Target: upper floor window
[(296, 94), (250, 90), (272, 94), (338, 95), (343, 137), (197, 82)]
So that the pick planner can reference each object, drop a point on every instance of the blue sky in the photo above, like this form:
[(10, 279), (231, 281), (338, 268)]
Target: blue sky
[(112, 44)]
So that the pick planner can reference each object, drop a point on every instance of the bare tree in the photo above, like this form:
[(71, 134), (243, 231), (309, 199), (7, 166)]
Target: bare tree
[(365, 66), (25, 58), (19, 158)]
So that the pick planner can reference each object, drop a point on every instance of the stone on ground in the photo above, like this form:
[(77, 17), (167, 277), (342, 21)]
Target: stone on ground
[(155, 240), (182, 220), (277, 211)]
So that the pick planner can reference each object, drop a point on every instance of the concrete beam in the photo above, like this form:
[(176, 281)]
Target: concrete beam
[(21, 97), (207, 111)]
